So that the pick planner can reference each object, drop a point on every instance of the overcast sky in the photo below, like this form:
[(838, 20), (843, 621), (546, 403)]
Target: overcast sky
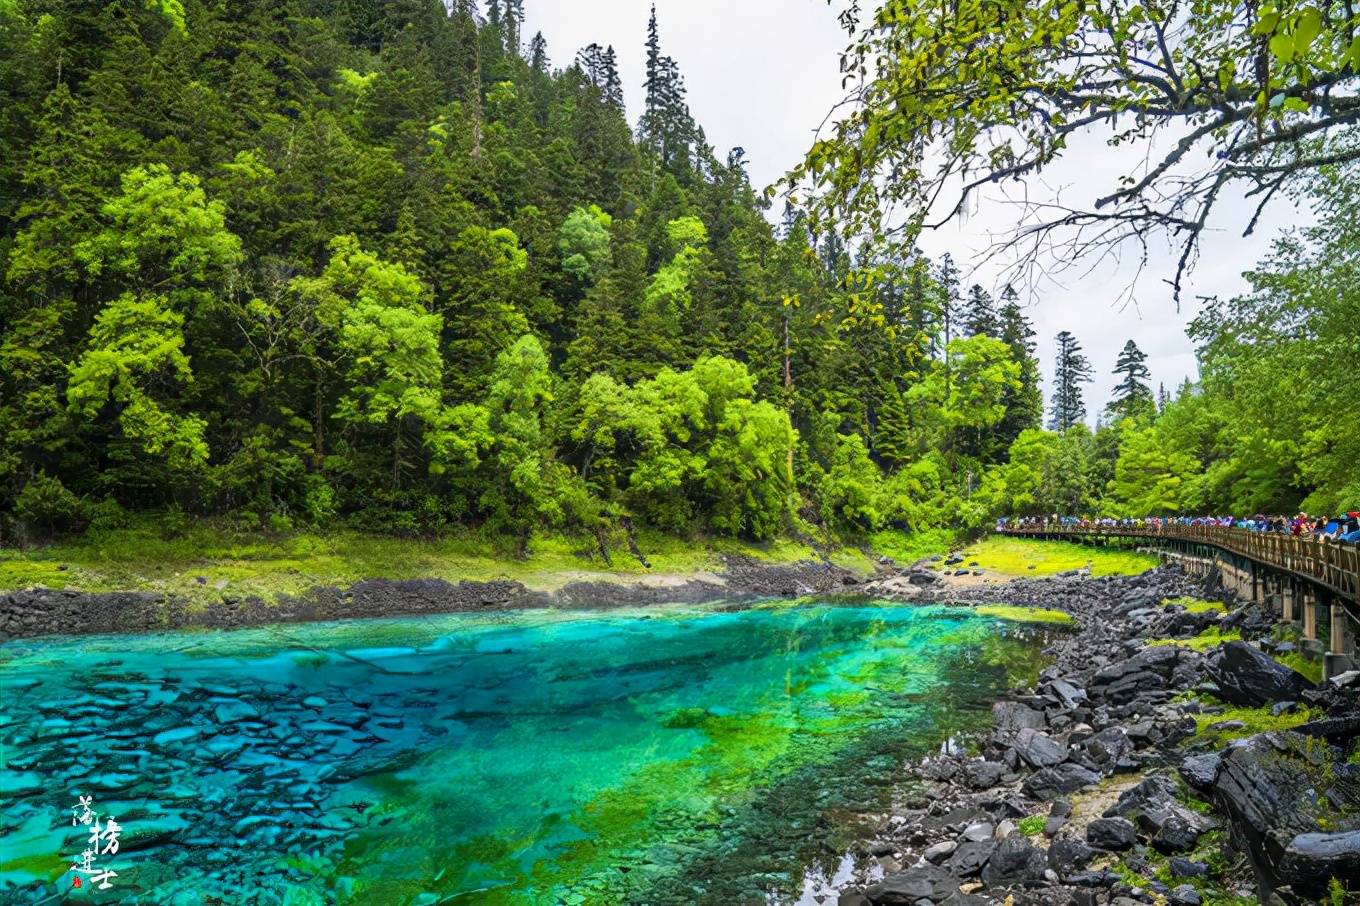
[(763, 74)]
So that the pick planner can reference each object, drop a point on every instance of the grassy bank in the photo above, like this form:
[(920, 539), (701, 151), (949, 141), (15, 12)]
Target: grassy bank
[(209, 558), (1030, 557)]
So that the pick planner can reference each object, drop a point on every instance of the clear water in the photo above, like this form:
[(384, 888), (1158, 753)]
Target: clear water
[(668, 755)]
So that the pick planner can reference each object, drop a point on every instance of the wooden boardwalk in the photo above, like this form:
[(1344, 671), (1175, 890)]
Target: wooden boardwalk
[(1327, 565), (1314, 582)]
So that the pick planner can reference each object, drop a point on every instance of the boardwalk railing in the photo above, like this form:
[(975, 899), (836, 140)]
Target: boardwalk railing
[(1335, 567)]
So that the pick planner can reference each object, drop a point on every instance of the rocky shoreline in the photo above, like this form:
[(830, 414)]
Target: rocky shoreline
[(1101, 784), (41, 612)]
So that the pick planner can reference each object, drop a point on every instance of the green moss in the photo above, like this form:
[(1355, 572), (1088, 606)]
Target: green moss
[(1031, 557), (1255, 720), (1032, 826), (1196, 605), (1209, 638), (1025, 614), (1301, 663)]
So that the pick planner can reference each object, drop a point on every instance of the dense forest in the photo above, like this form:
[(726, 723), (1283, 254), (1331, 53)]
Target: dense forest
[(398, 264)]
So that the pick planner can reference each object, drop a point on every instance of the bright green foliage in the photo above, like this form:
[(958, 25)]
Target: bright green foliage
[(851, 491), (161, 230), (521, 387), (135, 347), (584, 243), (374, 265), (1150, 476)]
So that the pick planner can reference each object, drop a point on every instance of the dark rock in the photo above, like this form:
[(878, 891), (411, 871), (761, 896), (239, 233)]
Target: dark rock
[(908, 887), (1038, 750), (1015, 861), (1283, 708), (1060, 808), (1184, 895), (1015, 716), (1200, 771), (1108, 747), (938, 852), (1275, 787), (1053, 824), (969, 858), (1184, 868), (1069, 695), (1102, 878), (1176, 835), (1153, 792), (1155, 668), (1059, 780), (1316, 854), (1247, 676), (1116, 834), (983, 775), (1066, 856), (1227, 725)]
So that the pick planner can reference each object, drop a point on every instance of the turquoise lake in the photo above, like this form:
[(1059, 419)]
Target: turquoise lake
[(666, 755)]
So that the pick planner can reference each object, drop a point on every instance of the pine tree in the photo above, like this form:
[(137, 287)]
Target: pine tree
[(1132, 395), (979, 314), (1073, 369), (1025, 406), (538, 53), (666, 127), (1163, 397), (948, 278), (613, 83)]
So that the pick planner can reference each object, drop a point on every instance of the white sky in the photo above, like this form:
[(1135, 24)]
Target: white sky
[(763, 74)]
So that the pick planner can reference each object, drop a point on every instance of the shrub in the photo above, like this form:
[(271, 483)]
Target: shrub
[(47, 507)]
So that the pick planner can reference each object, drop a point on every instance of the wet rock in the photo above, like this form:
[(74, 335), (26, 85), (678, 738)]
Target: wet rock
[(1037, 749), (1246, 676), (983, 775), (1176, 835), (913, 885), (1059, 780), (1014, 861), (1015, 716), (968, 859), (1200, 771), (1185, 868), (1116, 834)]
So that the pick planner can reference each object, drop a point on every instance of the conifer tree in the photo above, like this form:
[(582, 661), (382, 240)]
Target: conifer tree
[(1072, 370), (979, 314), (1024, 406), (1132, 396), (538, 53)]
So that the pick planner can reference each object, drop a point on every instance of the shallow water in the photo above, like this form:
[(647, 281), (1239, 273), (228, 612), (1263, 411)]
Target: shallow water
[(668, 755)]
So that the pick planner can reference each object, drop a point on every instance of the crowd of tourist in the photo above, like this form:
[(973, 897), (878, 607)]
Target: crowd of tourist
[(1344, 528)]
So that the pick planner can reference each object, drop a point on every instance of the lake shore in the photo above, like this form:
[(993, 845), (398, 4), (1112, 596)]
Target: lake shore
[(1168, 755), (137, 581)]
